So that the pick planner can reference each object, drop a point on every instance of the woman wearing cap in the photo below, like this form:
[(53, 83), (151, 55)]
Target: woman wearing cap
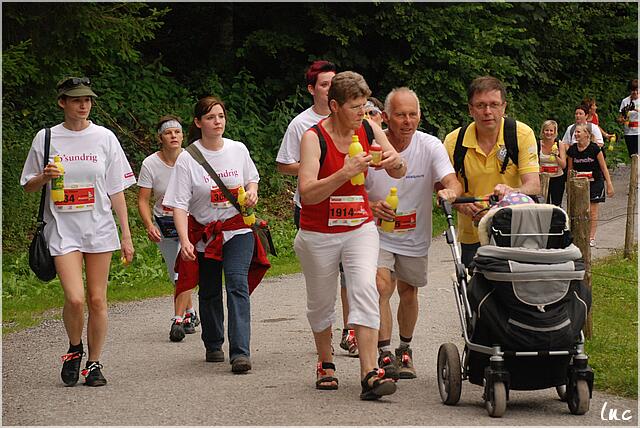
[(154, 177), (96, 172), (373, 110), (336, 225)]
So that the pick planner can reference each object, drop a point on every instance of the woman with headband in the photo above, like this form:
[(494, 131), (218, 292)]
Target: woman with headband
[(154, 177)]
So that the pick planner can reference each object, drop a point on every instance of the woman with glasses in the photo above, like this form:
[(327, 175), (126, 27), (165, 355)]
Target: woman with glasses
[(154, 177), (336, 225), (80, 227), (373, 110)]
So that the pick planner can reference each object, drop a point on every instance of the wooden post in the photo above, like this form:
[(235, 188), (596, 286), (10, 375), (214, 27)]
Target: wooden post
[(544, 185), (632, 208), (579, 203)]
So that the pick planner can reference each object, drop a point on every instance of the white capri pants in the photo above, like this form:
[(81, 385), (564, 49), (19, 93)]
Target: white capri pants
[(169, 248), (320, 254)]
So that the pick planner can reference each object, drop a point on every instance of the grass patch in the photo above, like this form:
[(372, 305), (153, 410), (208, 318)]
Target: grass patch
[(613, 350)]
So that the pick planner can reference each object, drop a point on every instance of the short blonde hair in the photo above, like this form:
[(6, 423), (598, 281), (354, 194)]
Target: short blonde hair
[(546, 124), (586, 127)]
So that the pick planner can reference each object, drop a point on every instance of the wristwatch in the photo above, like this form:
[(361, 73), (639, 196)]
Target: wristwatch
[(400, 165)]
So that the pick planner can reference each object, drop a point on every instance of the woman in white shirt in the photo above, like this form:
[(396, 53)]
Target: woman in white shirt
[(213, 236), (96, 172), (154, 177)]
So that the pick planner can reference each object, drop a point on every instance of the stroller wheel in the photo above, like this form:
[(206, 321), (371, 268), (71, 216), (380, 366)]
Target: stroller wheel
[(449, 374), (578, 398), (562, 392), (496, 404)]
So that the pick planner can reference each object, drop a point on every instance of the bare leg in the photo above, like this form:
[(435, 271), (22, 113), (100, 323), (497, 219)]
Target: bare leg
[(386, 286), (593, 215), (407, 309), (69, 268), (97, 268), (182, 302)]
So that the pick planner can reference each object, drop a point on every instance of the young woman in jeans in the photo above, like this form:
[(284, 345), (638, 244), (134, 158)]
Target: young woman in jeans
[(213, 236)]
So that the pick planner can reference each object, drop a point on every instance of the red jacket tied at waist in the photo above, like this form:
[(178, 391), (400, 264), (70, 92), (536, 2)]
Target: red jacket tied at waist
[(188, 271)]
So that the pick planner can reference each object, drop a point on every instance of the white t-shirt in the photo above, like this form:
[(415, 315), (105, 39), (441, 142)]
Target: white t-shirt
[(95, 167), (289, 151), (192, 189), (632, 116), (155, 174), (427, 163), (571, 139)]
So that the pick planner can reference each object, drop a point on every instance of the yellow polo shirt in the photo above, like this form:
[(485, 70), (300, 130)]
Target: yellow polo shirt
[(483, 171)]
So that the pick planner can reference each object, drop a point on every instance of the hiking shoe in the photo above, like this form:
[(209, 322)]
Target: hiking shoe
[(387, 361), (215, 356), (241, 364), (352, 349), (188, 326), (194, 319), (71, 367), (177, 332), (92, 374), (404, 359)]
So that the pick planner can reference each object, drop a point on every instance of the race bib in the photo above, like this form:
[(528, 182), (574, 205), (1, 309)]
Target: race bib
[(549, 169), (405, 221), (587, 174), (219, 200), (77, 197), (167, 211), (347, 211)]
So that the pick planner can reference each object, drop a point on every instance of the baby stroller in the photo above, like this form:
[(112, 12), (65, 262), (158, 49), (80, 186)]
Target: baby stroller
[(523, 310)]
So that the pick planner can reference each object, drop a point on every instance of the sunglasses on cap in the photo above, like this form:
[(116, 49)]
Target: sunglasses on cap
[(74, 81)]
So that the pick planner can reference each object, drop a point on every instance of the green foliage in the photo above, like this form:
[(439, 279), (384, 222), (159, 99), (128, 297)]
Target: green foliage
[(613, 350)]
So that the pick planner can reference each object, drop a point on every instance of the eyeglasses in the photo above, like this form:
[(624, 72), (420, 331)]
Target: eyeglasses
[(483, 106), (74, 81)]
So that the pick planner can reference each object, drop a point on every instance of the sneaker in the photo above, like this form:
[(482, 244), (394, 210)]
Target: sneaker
[(353, 344), (387, 361), (92, 374), (188, 326), (592, 243), (343, 342), (241, 365), (404, 359), (215, 356), (194, 319), (71, 367), (177, 332)]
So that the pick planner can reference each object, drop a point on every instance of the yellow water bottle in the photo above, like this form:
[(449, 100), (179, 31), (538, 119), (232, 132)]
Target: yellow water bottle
[(248, 215), (354, 148), (57, 184), (392, 200), (612, 141)]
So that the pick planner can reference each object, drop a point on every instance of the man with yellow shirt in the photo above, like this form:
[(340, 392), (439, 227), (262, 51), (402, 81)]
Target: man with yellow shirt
[(485, 154)]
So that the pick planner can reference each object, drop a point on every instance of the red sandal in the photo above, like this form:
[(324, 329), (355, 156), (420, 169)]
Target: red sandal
[(323, 378)]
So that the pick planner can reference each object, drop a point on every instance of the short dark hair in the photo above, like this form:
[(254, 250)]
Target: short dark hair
[(633, 85), (582, 107), (316, 68), (348, 85), (486, 84)]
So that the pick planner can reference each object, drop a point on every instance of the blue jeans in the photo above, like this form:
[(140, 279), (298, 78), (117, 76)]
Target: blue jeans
[(236, 254)]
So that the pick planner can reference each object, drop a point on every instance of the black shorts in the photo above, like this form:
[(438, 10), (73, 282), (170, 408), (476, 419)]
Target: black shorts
[(597, 191)]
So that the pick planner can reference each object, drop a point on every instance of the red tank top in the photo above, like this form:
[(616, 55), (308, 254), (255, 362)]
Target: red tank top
[(348, 207)]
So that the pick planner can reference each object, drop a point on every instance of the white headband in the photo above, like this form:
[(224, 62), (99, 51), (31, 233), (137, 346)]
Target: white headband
[(168, 124)]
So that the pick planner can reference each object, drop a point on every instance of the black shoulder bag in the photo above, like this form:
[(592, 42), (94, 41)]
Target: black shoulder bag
[(40, 260), (260, 227)]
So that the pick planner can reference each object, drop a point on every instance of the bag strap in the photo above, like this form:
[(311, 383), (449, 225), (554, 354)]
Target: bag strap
[(43, 195), (199, 157), (459, 153), (323, 143), (511, 143)]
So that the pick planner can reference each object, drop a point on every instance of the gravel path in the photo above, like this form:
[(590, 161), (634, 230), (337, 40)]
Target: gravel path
[(155, 382)]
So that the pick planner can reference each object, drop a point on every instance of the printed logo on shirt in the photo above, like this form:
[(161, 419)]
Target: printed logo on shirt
[(89, 157), (128, 175)]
